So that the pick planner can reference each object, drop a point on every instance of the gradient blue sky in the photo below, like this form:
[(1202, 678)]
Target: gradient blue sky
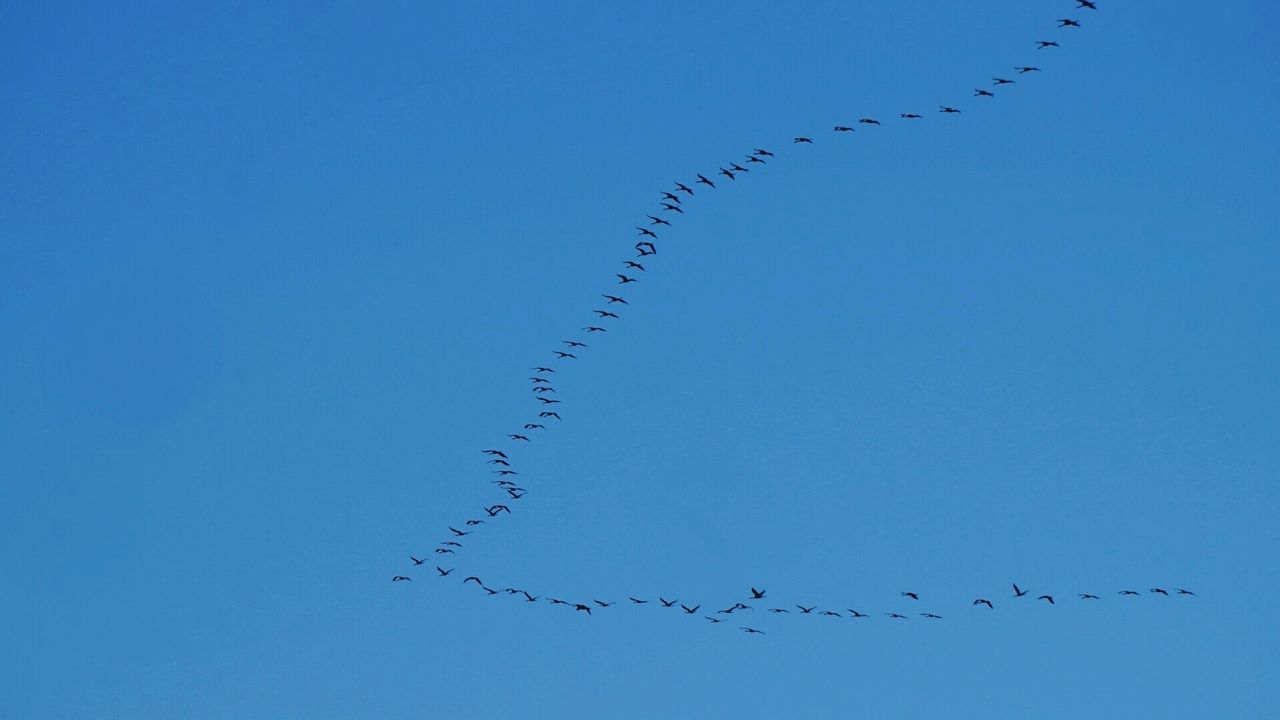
[(270, 278)]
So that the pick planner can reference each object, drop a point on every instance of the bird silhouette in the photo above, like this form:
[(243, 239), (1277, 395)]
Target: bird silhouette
[(1018, 592), (602, 603), (534, 426), (1158, 590), (498, 461), (738, 168), (910, 116), (727, 173), (672, 208), (931, 615), (802, 140), (657, 220), (443, 551), (667, 603), (494, 510), (703, 179), (757, 594), (646, 231), (442, 572), (1027, 69), (530, 598), (984, 601), (690, 610), (623, 279), (763, 153), (754, 159), (752, 631), (806, 610), (779, 610), (713, 620), (684, 188), (1002, 81), (473, 578), (563, 355), (447, 542), (573, 343), (1087, 596), (498, 453), (978, 92), (830, 613), (475, 522), (896, 616), (579, 607), (856, 614), (1131, 592), (1068, 23), (458, 532), (416, 561), (401, 578), (613, 299), (550, 413), (633, 265), (946, 109), (1086, 4), (911, 595), (519, 437), (1180, 591), (544, 369), (868, 121), (637, 601), (842, 128), (605, 314), (1042, 44), (549, 401), (1047, 597), (669, 196)]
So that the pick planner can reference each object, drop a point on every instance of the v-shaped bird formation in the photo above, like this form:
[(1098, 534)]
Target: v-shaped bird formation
[(673, 203)]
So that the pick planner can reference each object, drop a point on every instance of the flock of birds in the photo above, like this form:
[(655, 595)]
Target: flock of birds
[(672, 205)]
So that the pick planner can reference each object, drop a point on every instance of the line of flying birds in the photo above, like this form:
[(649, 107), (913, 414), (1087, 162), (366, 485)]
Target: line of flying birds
[(672, 205)]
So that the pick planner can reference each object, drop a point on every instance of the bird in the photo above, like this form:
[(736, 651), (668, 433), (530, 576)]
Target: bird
[(602, 603), (978, 92), (805, 611), (703, 179), (443, 551), (1047, 597), (911, 595), (690, 610), (1042, 44), (458, 532), (637, 601), (1018, 592), (762, 153), (401, 578), (548, 413), (573, 343), (727, 173), (1087, 596), (494, 510), (931, 615), (548, 401), (713, 620), (672, 208), (529, 598), (534, 426), (869, 121), (623, 279), (657, 220), (633, 265), (896, 616), (1002, 81), (802, 140), (517, 493), (562, 355), (752, 631), (984, 601), (1180, 591), (544, 369), (475, 522), (757, 594), (779, 610), (1026, 69), (856, 614), (1159, 590), (830, 613), (447, 542), (1068, 23), (497, 453), (646, 231), (579, 607), (946, 109), (442, 571), (1131, 592), (491, 591), (644, 247), (910, 116), (614, 299), (738, 168), (473, 578), (754, 159), (519, 437), (1086, 4), (594, 329), (497, 461), (684, 188), (605, 314), (416, 561), (842, 128), (556, 601), (665, 602)]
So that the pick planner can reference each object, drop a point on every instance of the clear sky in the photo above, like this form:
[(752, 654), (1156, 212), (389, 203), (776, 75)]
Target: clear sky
[(272, 277)]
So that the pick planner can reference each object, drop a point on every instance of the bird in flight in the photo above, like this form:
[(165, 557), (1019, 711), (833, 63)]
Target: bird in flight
[(572, 344), (562, 355), (657, 220), (713, 620), (1047, 597), (646, 231), (947, 109), (856, 614), (910, 116), (443, 551), (637, 601), (594, 329), (684, 188), (1087, 596), (534, 426), (1086, 4), (842, 128), (754, 159), (911, 595), (1130, 592), (579, 607), (475, 522), (401, 578), (529, 598), (779, 610), (447, 542), (672, 208), (1042, 44), (605, 314), (665, 602), (984, 601), (1027, 69), (493, 511), (727, 173), (830, 613), (519, 437), (805, 611), (1180, 591), (869, 121), (703, 179), (1017, 592), (549, 401), (757, 594), (670, 196), (1002, 81), (458, 532), (738, 168), (978, 92), (623, 279), (543, 369), (1159, 590), (546, 413), (416, 561), (645, 247), (931, 615), (690, 610), (497, 461), (497, 453), (896, 616), (472, 578), (752, 631), (764, 153), (633, 265), (1068, 23), (602, 603), (614, 299), (442, 571), (802, 140)]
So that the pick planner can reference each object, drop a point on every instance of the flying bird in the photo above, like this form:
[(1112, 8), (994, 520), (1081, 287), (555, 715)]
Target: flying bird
[(602, 603), (473, 578), (752, 631), (623, 279), (911, 595), (657, 220), (1042, 44), (713, 620), (856, 614), (1159, 590), (984, 601), (1023, 70), (1047, 597), (547, 413), (672, 208), (637, 601), (1002, 81), (529, 598), (690, 610), (1017, 592), (684, 188), (534, 426), (727, 174), (665, 602), (605, 314), (544, 369), (614, 299), (582, 608), (633, 264), (1180, 591), (401, 578), (1131, 592), (946, 109), (896, 616), (830, 613), (443, 551), (646, 231), (475, 522), (447, 542), (497, 461), (493, 511), (738, 168), (548, 401), (563, 355), (498, 453), (762, 153), (458, 532), (931, 615), (754, 159), (519, 437), (779, 610), (842, 128), (805, 611), (757, 594), (416, 561), (978, 92), (1087, 596), (910, 116), (802, 140), (1068, 23), (1086, 4), (442, 571), (702, 179), (868, 121), (594, 329)]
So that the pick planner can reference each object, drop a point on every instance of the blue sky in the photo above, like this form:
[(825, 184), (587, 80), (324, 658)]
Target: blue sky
[(272, 277)]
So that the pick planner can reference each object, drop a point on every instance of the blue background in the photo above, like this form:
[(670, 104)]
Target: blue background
[(271, 277)]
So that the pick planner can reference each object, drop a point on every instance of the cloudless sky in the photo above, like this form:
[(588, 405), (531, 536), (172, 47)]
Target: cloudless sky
[(272, 275)]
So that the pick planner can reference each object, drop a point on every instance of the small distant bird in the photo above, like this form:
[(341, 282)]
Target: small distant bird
[(1018, 592), (645, 247), (517, 493), (703, 179), (623, 279), (491, 591), (802, 140), (762, 153), (549, 413), (805, 611), (614, 299), (910, 116), (757, 594), (544, 369), (738, 168), (672, 208), (605, 314), (665, 602), (1159, 590), (931, 615), (442, 571), (475, 522), (684, 188), (657, 220), (594, 329), (842, 128), (582, 608), (534, 426), (779, 610), (1027, 69), (530, 598), (978, 92), (946, 109), (1047, 597), (856, 614), (497, 461), (1042, 44), (1086, 4), (556, 601), (458, 532), (896, 616), (690, 610), (754, 159), (1068, 23), (1087, 596), (494, 510), (448, 542), (713, 620), (473, 578), (668, 196), (984, 601), (519, 437), (727, 174), (633, 264), (416, 561), (830, 613), (869, 121), (637, 601), (563, 355), (1002, 81), (443, 551), (1180, 591), (401, 578), (646, 231), (602, 603), (1131, 592), (911, 595), (549, 401), (497, 453), (752, 631)]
